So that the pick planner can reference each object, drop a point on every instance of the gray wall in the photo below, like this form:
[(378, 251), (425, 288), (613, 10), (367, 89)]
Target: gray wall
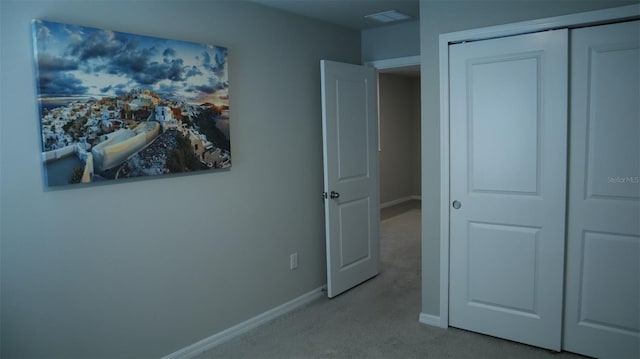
[(144, 268), (399, 118), (391, 41), (438, 17)]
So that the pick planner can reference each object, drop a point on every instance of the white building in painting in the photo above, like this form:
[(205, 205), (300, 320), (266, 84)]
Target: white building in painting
[(164, 116)]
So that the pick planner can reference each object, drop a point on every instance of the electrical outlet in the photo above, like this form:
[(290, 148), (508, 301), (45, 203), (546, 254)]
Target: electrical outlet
[(293, 261)]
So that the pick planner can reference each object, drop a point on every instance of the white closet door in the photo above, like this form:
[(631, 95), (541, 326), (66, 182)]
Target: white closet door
[(508, 173), (602, 313)]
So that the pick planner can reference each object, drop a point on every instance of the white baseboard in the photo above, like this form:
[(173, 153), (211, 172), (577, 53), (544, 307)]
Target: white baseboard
[(399, 200), (428, 319), (238, 329)]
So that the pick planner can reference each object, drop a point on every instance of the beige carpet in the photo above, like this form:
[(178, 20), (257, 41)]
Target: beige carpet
[(378, 319)]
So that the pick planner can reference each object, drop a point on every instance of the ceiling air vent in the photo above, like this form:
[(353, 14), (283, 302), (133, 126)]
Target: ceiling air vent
[(388, 16)]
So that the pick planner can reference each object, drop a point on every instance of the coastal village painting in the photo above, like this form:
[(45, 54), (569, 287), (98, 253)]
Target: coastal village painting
[(115, 105)]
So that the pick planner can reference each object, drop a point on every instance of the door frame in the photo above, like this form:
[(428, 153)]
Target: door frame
[(598, 17), (395, 62)]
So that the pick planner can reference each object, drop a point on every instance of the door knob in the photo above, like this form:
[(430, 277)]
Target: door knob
[(457, 204), (334, 195)]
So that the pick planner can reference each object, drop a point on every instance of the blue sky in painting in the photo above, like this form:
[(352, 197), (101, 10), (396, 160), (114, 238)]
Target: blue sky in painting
[(75, 61)]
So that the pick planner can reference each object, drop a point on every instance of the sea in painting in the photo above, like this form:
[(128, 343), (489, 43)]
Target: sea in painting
[(115, 105)]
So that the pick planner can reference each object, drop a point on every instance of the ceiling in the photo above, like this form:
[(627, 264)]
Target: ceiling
[(348, 13)]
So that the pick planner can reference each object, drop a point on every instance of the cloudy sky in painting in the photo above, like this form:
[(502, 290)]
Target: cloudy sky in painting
[(80, 61)]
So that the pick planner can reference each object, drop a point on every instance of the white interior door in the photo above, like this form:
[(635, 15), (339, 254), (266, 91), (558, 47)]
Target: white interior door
[(351, 180), (602, 313), (508, 128)]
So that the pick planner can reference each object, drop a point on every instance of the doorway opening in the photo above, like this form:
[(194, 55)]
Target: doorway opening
[(351, 170), (400, 174), (399, 140)]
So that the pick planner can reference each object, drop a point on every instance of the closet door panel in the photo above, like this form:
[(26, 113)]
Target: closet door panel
[(602, 305), (508, 157)]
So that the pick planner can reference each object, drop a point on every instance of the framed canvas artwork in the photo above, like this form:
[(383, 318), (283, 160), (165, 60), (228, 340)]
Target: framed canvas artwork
[(115, 105)]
